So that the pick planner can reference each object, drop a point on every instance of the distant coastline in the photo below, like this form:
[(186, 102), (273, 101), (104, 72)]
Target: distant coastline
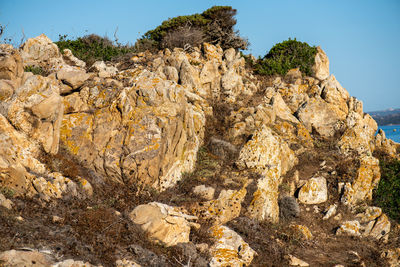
[(386, 117)]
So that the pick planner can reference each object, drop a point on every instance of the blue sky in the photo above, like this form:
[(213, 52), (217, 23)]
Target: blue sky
[(360, 37)]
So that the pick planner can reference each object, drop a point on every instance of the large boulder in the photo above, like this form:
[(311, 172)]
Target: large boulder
[(359, 135), (335, 94), (37, 109), (41, 52), (11, 67), (360, 189), (147, 133), (271, 157), (323, 117), (321, 65), (163, 223)]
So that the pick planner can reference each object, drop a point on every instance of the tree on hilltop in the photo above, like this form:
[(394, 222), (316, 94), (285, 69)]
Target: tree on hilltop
[(215, 25)]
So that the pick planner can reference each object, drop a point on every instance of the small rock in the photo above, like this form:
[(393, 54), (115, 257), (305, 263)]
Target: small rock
[(303, 231), (202, 247), (229, 248), (85, 185), (338, 217), (314, 191), (293, 261), (57, 219), (24, 258), (371, 213), (71, 60), (19, 218), (349, 228), (73, 78), (206, 192), (330, 212), (392, 256), (163, 223), (103, 70), (6, 203), (126, 263), (381, 228)]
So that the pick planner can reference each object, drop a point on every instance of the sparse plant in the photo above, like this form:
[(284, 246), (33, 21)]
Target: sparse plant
[(92, 47), (387, 194), (35, 70), (288, 208), (7, 192)]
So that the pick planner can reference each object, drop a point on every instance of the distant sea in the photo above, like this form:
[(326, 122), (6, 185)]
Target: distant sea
[(390, 133)]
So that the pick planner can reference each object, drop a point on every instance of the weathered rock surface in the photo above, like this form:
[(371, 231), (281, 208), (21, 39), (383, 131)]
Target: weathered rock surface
[(349, 228), (41, 52), (367, 179), (71, 60), (112, 136), (163, 223), (24, 258), (147, 133), (229, 248), (11, 67), (324, 117), (37, 109), (73, 78), (293, 261), (4, 202), (223, 209), (270, 157), (321, 66), (314, 191)]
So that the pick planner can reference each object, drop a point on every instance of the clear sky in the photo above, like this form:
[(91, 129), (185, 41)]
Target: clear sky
[(360, 37)]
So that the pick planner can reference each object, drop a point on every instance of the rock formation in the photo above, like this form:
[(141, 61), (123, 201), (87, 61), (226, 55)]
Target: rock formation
[(77, 131)]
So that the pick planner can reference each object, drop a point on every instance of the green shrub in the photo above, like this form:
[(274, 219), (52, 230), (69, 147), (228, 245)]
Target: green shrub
[(91, 48), (35, 70), (215, 25), (287, 55), (387, 195), (7, 192)]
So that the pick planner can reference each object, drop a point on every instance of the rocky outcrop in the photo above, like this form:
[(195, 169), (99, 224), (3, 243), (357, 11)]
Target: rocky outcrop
[(270, 157), (321, 66), (147, 133), (41, 52), (122, 134), (367, 179)]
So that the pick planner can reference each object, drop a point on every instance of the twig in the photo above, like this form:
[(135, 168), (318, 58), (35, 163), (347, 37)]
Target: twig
[(23, 37), (120, 219)]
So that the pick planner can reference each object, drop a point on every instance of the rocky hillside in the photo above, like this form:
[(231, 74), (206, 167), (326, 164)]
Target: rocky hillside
[(185, 158)]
